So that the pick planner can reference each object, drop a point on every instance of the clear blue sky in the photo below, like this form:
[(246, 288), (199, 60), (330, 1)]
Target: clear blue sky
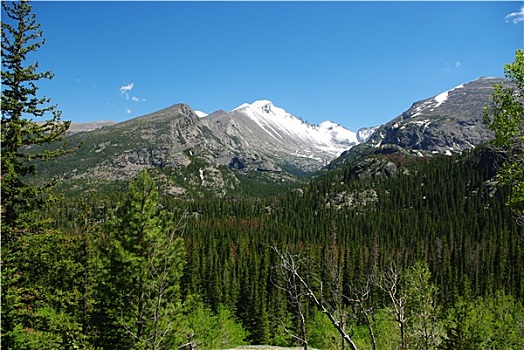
[(355, 63)]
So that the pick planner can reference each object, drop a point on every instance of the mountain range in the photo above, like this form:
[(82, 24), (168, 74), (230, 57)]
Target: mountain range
[(197, 153)]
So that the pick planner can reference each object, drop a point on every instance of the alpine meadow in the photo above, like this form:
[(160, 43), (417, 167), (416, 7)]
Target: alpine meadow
[(251, 227)]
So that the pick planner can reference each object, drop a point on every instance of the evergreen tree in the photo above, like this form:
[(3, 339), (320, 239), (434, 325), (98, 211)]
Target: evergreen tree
[(21, 36), (143, 261), (46, 292), (32, 314)]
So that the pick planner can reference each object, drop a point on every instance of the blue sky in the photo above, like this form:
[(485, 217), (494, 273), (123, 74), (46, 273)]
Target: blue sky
[(355, 63)]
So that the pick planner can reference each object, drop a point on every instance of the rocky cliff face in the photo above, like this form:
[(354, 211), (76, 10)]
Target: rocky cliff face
[(446, 123)]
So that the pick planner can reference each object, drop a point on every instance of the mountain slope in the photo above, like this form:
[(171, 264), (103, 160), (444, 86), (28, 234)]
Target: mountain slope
[(449, 122), (259, 142)]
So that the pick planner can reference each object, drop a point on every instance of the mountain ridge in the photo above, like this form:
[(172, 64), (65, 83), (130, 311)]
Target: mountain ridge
[(204, 154), (217, 151)]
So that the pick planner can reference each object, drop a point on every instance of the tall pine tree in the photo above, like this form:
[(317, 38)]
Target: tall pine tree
[(31, 316), (21, 107), (142, 262)]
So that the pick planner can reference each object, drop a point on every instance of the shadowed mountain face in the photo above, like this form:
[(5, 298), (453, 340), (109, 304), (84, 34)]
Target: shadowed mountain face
[(447, 123)]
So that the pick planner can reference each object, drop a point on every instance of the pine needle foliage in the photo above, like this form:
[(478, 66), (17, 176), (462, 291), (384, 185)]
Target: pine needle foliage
[(143, 261)]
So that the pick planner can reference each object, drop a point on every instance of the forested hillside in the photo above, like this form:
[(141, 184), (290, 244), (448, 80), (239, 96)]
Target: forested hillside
[(440, 219)]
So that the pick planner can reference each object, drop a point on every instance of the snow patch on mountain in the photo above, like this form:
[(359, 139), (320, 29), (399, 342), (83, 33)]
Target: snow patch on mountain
[(201, 114), (434, 102), (441, 98)]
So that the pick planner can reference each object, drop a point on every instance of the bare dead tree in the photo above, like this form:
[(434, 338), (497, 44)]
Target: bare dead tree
[(360, 299), (346, 301), (291, 265), (334, 262), (389, 282), (288, 270)]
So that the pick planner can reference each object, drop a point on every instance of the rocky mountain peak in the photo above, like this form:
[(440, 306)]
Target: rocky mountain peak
[(263, 106), (184, 109), (449, 122)]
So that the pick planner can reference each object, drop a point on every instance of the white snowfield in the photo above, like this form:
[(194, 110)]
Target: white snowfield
[(282, 127)]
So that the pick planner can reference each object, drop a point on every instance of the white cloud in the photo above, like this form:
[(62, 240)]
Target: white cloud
[(451, 66), (124, 90), (516, 17)]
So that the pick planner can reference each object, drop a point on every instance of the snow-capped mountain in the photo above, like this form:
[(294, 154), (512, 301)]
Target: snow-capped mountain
[(284, 128), (213, 152), (262, 133)]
